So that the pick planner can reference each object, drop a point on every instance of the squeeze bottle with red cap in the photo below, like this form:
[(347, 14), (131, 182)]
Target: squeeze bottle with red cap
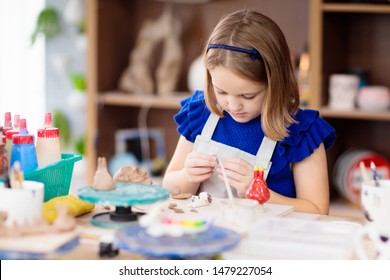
[(10, 132), (258, 189), (3, 157), (23, 149), (7, 122), (48, 143)]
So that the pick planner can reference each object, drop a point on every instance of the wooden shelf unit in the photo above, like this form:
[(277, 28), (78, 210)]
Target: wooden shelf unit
[(340, 35), (113, 26), (140, 100), (345, 36)]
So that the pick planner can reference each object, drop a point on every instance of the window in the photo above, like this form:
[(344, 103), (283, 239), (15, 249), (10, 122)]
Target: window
[(22, 66)]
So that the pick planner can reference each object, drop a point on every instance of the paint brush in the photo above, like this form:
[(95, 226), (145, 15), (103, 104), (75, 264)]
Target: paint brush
[(374, 174), (227, 186), (7, 181), (363, 170)]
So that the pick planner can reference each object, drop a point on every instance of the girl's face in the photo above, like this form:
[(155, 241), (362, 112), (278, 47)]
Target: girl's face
[(241, 98)]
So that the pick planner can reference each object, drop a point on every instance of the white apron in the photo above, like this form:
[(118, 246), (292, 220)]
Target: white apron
[(203, 143)]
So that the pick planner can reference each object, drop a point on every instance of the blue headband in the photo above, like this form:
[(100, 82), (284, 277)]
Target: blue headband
[(253, 52)]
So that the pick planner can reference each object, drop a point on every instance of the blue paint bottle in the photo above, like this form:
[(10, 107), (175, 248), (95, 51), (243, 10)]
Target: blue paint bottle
[(23, 149)]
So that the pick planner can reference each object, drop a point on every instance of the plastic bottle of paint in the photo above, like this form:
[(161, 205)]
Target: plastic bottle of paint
[(258, 189), (48, 143), (7, 122), (3, 158), (23, 149), (10, 132)]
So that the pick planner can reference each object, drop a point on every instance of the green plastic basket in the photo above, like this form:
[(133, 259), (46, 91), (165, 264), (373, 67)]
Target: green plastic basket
[(56, 177)]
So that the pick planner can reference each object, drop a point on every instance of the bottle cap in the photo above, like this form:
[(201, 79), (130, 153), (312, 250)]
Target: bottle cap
[(22, 137), (16, 122), (11, 132), (7, 120), (48, 120), (48, 131)]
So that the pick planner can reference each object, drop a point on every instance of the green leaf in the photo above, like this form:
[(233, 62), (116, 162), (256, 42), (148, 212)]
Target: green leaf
[(80, 146), (62, 123), (47, 24), (78, 81)]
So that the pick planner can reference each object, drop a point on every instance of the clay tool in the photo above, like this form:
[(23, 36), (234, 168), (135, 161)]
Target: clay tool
[(363, 170), (16, 176), (227, 186), (374, 174), (7, 181)]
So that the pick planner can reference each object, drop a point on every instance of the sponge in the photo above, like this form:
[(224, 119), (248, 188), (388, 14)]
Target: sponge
[(75, 207)]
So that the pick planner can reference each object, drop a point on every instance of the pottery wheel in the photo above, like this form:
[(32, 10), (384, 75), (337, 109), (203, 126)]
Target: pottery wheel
[(123, 197)]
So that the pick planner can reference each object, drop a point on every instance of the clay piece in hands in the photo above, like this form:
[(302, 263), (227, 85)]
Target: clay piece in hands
[(102, 180), (203, 199), (132, 174)]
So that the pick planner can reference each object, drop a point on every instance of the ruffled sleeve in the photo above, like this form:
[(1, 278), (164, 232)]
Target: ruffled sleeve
[(306, 135), (192, 116)]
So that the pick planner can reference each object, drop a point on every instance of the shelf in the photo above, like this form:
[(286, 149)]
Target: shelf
[(356, 8), (140, 100), (355, 114)]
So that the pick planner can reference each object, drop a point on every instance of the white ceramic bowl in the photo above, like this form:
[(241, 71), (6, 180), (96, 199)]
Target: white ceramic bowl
[(374, 98)]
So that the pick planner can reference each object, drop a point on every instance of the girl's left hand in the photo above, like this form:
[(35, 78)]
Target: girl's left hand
[(239, 173)]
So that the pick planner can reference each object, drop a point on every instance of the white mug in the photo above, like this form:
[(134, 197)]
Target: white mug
[(241, 212), (376, 206), (343, 89), (23, 206)]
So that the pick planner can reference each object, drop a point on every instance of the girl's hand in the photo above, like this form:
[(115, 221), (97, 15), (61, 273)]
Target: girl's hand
[(199, 166), (239, 173)]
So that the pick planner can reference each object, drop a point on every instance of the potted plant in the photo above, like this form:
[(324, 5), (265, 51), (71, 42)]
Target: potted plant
[(47, 24)]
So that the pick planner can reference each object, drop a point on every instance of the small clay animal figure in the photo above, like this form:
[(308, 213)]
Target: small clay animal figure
[(102, 180), (132, 174), (203, 199)]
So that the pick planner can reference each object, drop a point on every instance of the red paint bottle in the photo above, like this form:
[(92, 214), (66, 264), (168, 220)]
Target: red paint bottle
[(258, 189)]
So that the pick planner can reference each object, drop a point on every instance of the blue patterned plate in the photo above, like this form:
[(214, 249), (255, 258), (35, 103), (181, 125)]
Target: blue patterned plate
[(208, 243)]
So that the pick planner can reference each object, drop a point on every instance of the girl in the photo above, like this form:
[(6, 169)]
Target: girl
[(248, 115)]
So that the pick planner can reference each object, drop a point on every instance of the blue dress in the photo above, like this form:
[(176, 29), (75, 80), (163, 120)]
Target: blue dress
[(305, 136)]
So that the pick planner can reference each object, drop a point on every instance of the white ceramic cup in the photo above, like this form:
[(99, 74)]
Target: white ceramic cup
[(376, 207), (241, 212), (343, 89), (23, 206)]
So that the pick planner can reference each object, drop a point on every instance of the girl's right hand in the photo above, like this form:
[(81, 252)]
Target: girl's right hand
[(199, 166)]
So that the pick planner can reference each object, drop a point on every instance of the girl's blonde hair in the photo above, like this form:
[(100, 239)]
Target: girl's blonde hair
[(252, 30)]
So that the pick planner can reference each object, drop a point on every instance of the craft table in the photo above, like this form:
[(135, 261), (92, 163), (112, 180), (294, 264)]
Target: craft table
[(90, 235)]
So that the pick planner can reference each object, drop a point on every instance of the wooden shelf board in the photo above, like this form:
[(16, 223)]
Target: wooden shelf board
[(356, 8), (355, 114), (141, 100)]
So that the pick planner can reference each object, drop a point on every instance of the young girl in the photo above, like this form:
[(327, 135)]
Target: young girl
[(248, 115)]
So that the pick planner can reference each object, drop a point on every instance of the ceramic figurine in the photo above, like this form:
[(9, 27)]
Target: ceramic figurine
[(203, 199), (258, 189), (138, 76), (132, 174), (102, 180)]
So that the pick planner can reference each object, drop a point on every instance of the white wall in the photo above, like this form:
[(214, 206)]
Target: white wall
[(22, 66)]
